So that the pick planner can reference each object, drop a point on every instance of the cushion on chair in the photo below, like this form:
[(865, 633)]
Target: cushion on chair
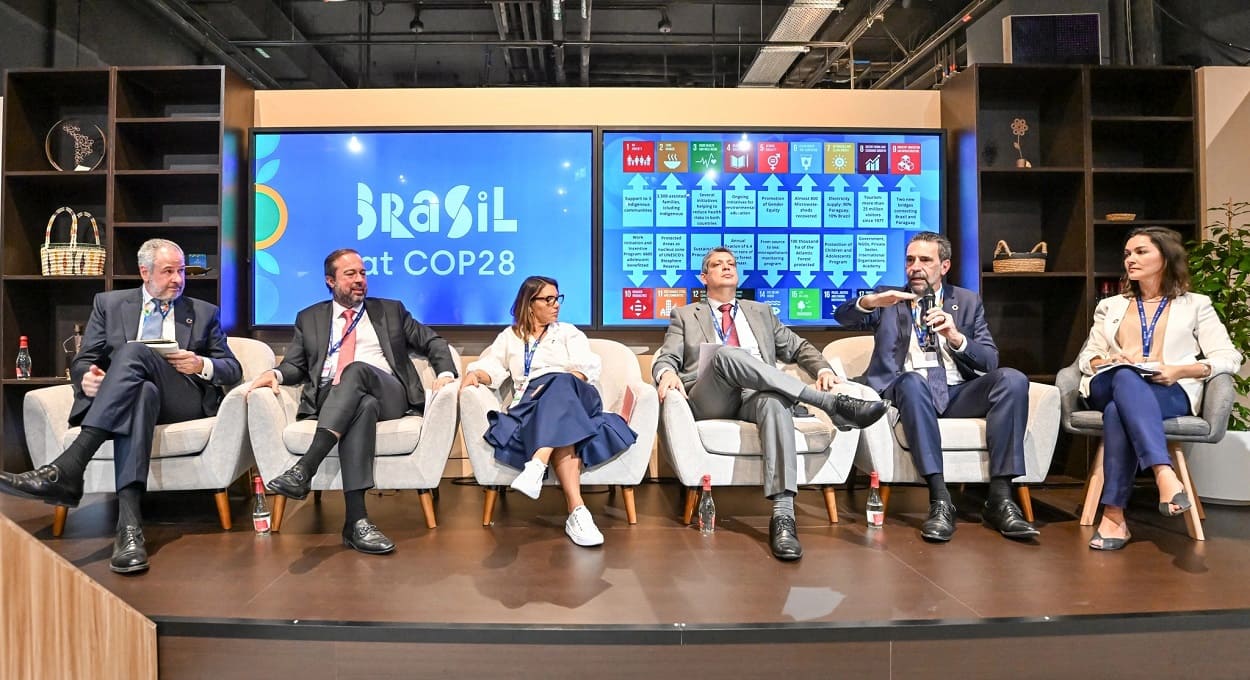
[(958, 434), (397, 437), (174, 440), (1184, 426), (740, 438)]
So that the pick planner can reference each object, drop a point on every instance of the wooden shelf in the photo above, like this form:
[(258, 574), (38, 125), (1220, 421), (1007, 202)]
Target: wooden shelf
[(1031, 275), (51, 279), (1143, 119), (38, 381)]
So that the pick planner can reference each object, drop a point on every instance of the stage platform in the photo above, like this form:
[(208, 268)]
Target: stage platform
[(518, 599)]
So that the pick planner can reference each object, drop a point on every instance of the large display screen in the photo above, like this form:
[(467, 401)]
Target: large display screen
[(812, 217), (450, 222)]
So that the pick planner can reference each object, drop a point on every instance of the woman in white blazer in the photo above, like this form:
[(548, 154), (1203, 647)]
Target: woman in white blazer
[(1149, 352)]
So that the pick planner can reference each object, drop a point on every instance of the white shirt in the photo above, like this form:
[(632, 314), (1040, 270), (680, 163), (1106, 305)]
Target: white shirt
[(167, 329), (915, 357), (563, 349), (746, 339), (368, 348)]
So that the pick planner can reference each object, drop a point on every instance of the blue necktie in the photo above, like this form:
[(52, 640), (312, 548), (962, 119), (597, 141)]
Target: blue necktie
[(154, 322)]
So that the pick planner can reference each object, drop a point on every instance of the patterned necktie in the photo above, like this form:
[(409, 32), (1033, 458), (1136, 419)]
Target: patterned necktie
[(727, 325), (347, 351), (154, 321)]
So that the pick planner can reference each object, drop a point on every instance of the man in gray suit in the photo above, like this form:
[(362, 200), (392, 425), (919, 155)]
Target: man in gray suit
[(744, 383)]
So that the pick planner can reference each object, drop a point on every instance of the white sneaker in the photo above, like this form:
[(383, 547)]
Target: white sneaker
[(580, 527), (530, 481)]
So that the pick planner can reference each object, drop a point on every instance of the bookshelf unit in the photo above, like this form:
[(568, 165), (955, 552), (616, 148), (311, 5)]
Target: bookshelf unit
[(173, 137)]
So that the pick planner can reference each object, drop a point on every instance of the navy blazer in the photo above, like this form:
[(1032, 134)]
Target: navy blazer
[(114, 321), (892, 328), (398, 333)]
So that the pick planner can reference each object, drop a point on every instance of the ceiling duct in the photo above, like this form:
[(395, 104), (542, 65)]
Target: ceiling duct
[(798, 23)]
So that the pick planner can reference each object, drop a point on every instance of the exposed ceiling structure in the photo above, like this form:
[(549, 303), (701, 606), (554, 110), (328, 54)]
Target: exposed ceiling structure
[(296, 44)]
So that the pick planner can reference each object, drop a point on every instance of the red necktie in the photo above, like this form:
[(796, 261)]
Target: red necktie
[(727, 325), (347, 351)]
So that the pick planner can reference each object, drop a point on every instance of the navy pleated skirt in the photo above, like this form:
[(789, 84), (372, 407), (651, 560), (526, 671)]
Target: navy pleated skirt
[(558, 410)]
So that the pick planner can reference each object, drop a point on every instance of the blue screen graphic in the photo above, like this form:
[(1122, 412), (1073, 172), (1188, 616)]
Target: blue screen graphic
[(449, 222), (812, 217)]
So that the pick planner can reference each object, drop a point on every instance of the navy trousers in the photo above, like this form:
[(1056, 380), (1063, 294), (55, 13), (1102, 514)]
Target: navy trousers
[(140, 391), (1133, 410), (1000, 396)]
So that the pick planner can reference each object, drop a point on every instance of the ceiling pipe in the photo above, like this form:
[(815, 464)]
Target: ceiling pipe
[(957, 23), (857, 31), (215, 43), (585, 49), (347, 42)]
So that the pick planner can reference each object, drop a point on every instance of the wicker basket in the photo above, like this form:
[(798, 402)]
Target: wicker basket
[(1032, 261), (73, 258)]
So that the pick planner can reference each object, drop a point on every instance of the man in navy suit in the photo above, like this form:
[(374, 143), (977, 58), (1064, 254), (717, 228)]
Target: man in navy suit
[(123, 389), (351, 354), (958, 377)]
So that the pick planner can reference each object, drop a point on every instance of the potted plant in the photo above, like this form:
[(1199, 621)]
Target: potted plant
[(1219, 267)]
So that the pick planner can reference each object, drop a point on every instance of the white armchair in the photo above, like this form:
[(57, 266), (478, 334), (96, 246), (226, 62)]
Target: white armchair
[(206, 453), (411, 452), (729, 450), (965, 453), (620, 375)]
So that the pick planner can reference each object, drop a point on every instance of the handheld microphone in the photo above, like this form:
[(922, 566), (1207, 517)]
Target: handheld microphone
[(927, 302)]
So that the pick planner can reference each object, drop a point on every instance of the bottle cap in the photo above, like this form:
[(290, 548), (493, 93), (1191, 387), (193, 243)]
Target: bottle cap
[(873, 479), (258, 484), (707, 482), (21, 342)]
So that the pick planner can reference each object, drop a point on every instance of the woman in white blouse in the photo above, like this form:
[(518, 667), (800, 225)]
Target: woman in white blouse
[(556, 416), (1142, 365)]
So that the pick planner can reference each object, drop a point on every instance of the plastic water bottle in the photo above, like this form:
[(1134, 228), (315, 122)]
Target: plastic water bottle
[(707, 508), (23, 358), (876, 509), (260, 511)]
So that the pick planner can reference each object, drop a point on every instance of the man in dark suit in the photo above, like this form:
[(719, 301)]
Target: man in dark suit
[(123, 389), (960, 378), (351, 353), (744, 382)]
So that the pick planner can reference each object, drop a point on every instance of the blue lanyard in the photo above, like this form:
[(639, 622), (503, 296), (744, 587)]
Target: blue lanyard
[(1148, 333), (922, 332), (724, 333), (529, 351), (334, 348)]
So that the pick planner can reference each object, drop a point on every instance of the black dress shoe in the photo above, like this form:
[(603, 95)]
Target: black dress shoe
[(366, 538), (293, 483), (848, 412), (46, 484), (129, 553), (1004, 515), (940, 525), (783, 538)]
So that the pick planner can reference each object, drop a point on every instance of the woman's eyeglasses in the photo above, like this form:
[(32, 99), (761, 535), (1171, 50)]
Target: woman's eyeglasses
[(550, 299)]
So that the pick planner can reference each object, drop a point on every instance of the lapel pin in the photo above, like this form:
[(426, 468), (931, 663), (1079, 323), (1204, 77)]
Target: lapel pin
[(188, 321), (954, 308)]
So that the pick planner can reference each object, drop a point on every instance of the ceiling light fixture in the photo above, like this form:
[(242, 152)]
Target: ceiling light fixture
[(665, 26)]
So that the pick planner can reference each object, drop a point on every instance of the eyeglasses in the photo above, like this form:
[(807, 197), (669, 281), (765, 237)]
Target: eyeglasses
[(550, 299)]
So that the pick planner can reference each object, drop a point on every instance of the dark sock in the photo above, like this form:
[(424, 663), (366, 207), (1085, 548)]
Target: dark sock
[(1000, 488), (783, 504), (813, 396), (128, 514), (937, 488), (73, 462), (323, 441), (355, 502)]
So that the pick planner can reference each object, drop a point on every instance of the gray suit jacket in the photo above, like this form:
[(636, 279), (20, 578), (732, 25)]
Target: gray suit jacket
[(691, 326)]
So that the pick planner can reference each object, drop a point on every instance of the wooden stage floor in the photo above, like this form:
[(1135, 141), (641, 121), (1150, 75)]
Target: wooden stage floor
[(462, 583)]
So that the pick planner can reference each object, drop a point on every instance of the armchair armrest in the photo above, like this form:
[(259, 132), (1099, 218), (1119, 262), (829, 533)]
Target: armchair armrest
[(475, 403), (229, 450), (1217, 403), (438, 431), (1041, 431), (267, 417), (45, 414), (1068, 382), (681, 438)]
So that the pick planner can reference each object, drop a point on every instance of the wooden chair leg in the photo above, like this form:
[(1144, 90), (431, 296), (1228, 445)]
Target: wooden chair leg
[(58, 520), (488, 506), (831, 503), (223, 509), (1026, 502), (1193, 518), (317, 497), (427, 507), (279, 507), (631, 512), (692, 496), (885, 501), (1093, 490)]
